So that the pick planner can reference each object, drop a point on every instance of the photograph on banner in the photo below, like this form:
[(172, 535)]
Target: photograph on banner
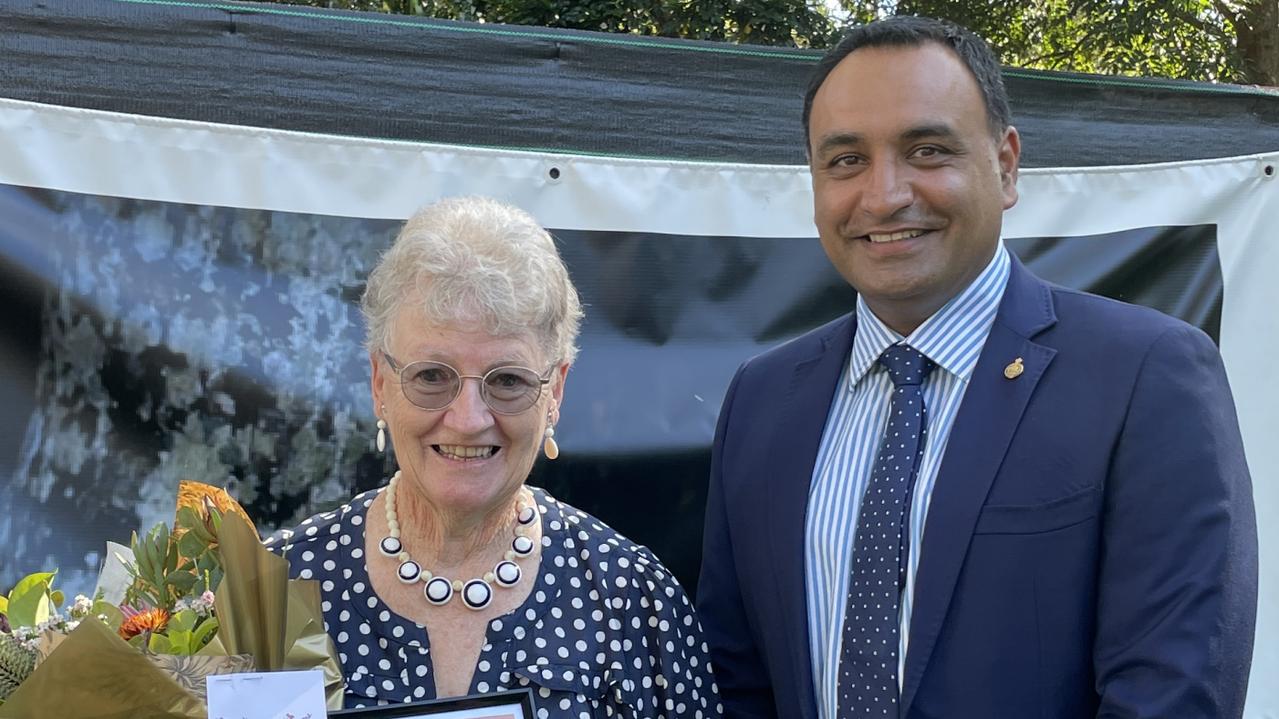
[(149, 342)]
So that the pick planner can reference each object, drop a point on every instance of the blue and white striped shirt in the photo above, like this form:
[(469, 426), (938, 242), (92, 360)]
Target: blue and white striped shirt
[(952, 338)]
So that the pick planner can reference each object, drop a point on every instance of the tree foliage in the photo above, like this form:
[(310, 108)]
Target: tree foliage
[(1222, 40), (1193, 39), (794, 23)]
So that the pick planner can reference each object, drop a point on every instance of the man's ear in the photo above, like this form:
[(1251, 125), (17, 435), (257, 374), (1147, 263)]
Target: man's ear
[(1009, 155)]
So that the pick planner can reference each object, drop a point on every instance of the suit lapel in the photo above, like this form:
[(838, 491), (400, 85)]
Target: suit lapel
[(800, 421), (988, 417)]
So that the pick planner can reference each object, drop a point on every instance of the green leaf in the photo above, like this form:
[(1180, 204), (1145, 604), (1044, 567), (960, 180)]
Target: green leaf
[(159, 644), (169, 552), (57, 597), (183, 621), (187, 517), (190, 545), (4, 605), (181, 581), (205, 562), (29, 601), (214, 579), (179, 643), (203, 633), (180, 632), (106, 609)]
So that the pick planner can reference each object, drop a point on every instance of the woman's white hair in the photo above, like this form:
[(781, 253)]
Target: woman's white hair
[(468, 259)]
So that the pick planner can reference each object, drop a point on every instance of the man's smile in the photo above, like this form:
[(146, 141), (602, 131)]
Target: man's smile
[(879, 237)]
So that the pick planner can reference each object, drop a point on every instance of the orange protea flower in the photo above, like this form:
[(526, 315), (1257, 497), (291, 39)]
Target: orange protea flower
[(199, 496), (148, 620), (202, 497)]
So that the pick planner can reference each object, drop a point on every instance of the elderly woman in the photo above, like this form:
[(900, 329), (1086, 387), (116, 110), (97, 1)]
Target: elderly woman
[(457, 578)]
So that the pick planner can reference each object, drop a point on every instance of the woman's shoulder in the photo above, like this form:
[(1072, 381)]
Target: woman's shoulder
[(322, 527), (646, 634), (604, 550)]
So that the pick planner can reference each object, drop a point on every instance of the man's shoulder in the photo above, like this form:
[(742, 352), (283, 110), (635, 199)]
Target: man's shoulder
[(805, 347), (1084, 316)]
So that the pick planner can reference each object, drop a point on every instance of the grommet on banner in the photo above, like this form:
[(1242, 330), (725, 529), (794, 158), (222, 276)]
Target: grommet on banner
[(1268, 171)]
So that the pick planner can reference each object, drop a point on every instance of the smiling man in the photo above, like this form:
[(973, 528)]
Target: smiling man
[(977, 494)]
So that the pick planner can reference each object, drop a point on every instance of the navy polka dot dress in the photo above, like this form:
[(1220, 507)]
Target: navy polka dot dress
[(606, 632)]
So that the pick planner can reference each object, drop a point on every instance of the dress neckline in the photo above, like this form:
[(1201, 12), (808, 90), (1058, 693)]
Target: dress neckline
[(547, 584)]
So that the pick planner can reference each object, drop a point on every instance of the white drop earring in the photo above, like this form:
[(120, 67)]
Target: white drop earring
[(380, 440), (549, 446)]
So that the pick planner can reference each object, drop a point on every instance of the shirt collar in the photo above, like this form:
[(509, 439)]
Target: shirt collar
[(952, 337)]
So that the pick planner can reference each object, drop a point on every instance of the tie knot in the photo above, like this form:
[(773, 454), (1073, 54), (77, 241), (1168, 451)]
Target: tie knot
[(906, 365)]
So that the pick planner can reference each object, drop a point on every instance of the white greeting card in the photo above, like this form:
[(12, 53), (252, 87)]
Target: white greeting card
[(267, 695)]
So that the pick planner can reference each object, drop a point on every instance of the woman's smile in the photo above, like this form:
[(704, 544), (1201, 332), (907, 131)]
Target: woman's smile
[(466, 453)]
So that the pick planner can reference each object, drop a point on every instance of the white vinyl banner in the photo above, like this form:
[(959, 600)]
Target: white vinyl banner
[(203, 164)]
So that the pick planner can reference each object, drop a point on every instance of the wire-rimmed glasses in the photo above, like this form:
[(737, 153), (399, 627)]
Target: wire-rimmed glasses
[(434, 385)]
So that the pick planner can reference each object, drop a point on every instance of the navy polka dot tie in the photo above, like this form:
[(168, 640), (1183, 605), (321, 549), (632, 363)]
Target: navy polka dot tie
[(868, 658)]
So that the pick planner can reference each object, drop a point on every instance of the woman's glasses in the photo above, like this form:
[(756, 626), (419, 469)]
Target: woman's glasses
[(434, 385)]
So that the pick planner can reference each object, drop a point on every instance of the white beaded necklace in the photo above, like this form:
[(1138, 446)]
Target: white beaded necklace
[(476, 593)]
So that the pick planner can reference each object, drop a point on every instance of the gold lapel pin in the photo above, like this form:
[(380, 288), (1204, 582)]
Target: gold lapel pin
[(1014, 369)]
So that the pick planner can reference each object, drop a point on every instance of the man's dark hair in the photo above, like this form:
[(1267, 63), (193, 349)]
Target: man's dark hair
[(907, 31)]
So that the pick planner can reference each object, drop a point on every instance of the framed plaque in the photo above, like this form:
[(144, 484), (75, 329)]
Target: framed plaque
[(517, 704)]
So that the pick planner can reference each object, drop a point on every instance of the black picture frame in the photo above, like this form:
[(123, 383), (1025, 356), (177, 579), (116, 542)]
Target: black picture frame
[(519, 702)]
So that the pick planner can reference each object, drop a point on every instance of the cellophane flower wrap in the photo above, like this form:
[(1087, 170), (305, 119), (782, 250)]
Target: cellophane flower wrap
[(203, 598)]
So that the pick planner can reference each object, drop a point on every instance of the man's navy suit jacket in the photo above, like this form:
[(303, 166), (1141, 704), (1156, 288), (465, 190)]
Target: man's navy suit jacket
[(1089, 550)]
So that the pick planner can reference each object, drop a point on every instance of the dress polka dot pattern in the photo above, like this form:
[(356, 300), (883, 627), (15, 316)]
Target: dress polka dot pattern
[(606, 631), (868, 684)]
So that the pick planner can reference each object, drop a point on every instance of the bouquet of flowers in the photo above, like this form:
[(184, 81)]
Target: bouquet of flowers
[(178, 605)]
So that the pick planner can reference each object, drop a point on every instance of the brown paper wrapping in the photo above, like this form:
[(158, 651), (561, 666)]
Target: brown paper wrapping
[(263, 613), (310, 647), (94, 674), (266, 622), (252, 603)]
